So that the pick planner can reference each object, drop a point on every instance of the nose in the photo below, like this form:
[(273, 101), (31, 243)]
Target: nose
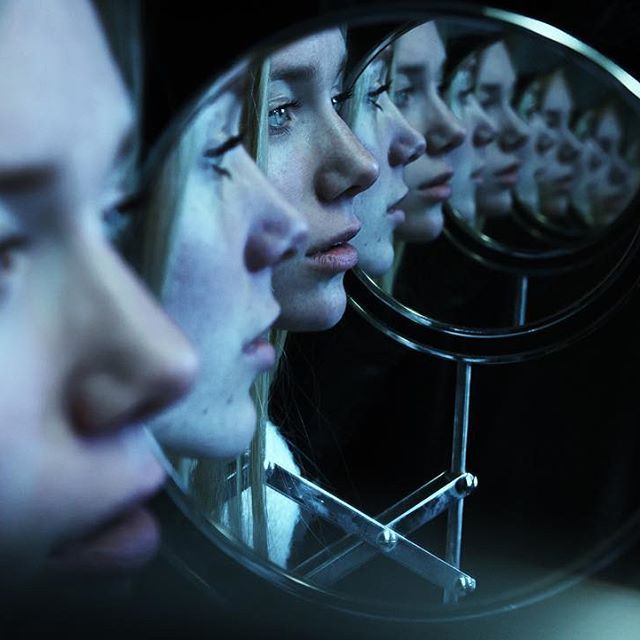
[(129, 360), (345, 167), (407, 144), (277, 232), (444, 131), (569, 149), (515, 132)]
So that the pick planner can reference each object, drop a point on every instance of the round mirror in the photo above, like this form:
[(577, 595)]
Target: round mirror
[(479, 171)]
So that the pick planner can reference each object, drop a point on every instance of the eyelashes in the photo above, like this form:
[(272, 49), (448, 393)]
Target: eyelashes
[(117, 218), (374, 95), (214, 156)]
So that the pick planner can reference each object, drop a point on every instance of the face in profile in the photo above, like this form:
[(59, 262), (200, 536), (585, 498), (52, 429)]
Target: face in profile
[(555, 180), (469, 158), (90, 353), (393, 143), (602, 187), (228, 229), (317, 163), (419, 59), (494, 89)]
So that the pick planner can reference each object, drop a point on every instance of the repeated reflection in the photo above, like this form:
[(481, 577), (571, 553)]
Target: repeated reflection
[(341, 150)]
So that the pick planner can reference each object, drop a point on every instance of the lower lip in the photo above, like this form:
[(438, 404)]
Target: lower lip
[(335, 260), (437, 193), (129, 542), (262, 353), (397, 216), (508, 179)]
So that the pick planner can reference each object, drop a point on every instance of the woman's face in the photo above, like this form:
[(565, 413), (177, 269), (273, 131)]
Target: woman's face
[(393, 143), (535, 154), (469, 158), (317, 163), (494, 89), (87, 354), (555, 181), (419, 59), (602, 187), (232, 227)]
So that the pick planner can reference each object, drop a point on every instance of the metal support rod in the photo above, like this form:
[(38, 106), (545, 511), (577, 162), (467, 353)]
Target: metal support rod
[(458, 466), (383, 538), (349, 553), (520, 307)]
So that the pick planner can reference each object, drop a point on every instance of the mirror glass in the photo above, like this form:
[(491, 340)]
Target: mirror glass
[(477, 173)]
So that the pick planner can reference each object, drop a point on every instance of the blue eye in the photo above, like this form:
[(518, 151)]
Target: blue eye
[(116, 220), (374, 95), (280, 117), (338, 100)]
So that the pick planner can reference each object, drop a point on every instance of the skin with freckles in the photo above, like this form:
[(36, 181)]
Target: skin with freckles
[(87, 353), (495, 80), (228, 228), (390, 139), (419, 60), (317, 163)]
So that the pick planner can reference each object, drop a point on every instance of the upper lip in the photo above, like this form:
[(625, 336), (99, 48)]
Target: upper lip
[(511, 168), (339, 238), (441, 178), (395, 203)]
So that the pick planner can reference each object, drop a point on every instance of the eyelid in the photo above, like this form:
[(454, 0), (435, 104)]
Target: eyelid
[(227, 145)]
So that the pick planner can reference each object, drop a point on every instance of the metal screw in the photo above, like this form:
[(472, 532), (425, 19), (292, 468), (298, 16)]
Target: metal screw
[(387, 540), (465, 584), (467, 483)]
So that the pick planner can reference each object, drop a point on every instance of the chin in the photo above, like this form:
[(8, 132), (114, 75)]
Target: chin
[(377, 265), (227, 437), (316, 311), (497, 205), (421, 227)]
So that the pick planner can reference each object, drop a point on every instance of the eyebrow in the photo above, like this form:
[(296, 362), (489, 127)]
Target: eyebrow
[(303, 72), (14, 180)]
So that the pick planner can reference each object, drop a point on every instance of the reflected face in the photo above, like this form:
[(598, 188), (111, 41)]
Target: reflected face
[(469, 158), (393, 143), (317, 163), (602, 188), (90, 353), (419, 59), (494, 89), (231, 228), (555, 181)]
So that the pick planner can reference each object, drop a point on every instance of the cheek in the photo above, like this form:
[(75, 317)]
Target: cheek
[(291, 168)]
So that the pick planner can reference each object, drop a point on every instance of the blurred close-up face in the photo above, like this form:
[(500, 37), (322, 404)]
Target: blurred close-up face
[(87, 353), (419, 59), (555, 181), (317, 163), (393, 143), (494, 89), (231, 228), (469, 158)]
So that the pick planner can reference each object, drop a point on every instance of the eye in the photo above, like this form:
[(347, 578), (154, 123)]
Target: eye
[(338, 100), (402, 97), (373, 96), (117, 217), (279, 117), (11, 249), (215, 155)]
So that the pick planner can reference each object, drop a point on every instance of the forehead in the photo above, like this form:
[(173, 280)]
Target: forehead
[(318, 55), (420, 47), (557, 95), (58, 84), (495, 66), (609, 125)]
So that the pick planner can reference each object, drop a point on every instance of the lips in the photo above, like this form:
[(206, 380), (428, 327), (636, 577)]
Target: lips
[(437, 189), (508, 176), (476, 175), (335, 255), (395, 212)]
